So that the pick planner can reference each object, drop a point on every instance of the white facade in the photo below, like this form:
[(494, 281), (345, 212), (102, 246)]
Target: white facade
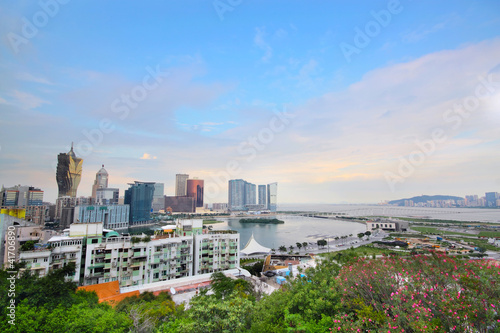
[(61, 250), (107, 196), (387, 225), (216, 251), (112, 217), (178, 252)]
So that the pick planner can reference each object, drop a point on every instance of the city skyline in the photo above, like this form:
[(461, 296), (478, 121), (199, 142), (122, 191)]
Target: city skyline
[(343, 102)]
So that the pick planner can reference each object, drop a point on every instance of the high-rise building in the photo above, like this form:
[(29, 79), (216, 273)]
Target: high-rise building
[(181, 185), (250, 194), (262, 196), (491, 199), (236, 195), (21, 196), (140, 198), (272, 196), (69, 173), (242, 195), (107, 196), (195, 190), (101, 181), (158, 198)]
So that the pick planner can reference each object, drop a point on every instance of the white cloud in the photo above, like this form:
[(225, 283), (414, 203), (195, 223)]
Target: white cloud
[(31, 78), (147, 156), (262, 44), (424, 30), (26, 100)]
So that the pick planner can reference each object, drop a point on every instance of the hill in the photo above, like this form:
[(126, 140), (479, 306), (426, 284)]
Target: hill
[(424, 198)]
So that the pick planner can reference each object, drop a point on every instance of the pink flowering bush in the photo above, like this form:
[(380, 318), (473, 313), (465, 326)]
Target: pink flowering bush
[(423, 293)]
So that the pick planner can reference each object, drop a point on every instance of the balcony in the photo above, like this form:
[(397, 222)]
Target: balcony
[(138, 255), (96, 265)]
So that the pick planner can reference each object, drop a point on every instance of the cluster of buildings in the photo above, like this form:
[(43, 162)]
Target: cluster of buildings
[(92, 232), (245, 196), (134, 207), (188, 195), (102, 255), (491, 200)]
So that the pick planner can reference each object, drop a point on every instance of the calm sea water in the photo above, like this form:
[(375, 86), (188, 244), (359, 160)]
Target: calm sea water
[(296, 229), (310, 229), (458, 214)]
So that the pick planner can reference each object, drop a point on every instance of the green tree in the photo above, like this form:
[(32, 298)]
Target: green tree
[(321, 243), (299, 245), (28, 246), (223, 286), (361, 235), (304, 244), (282, 248), (147, 310), (52, 304), (209, 314)]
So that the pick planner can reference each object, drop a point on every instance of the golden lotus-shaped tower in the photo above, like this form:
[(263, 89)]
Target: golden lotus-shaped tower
[(69, 173)]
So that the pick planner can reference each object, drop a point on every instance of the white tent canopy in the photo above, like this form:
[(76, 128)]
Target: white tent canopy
[(253, 247)]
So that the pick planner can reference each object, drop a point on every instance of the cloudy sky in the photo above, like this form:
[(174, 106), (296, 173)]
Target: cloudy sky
[(337, 101)]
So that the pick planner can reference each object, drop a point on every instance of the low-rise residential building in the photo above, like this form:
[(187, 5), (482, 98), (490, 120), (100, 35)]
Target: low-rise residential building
[(386, 225)]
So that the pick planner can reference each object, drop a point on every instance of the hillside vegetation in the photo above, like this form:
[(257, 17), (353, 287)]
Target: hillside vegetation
[(345, 293)]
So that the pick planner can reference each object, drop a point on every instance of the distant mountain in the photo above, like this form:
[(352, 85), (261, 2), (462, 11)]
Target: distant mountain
[(424, 198)]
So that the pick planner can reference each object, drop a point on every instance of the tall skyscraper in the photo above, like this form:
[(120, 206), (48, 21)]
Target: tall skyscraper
[(159, 198), (272, 196), (69, 173), (140, 198), (491, 199), (243, 195), (195, 190), (101, 181), (181, 185), (262, 196), (250, 194), (236, 195)]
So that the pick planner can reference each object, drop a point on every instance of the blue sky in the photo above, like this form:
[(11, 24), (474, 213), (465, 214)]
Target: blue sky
[(337, 101)]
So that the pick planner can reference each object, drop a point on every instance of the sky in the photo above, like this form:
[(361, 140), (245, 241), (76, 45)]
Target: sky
[(336, 101)]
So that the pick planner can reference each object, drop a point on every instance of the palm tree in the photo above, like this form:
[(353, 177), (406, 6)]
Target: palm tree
[(291, 248), (282, 248), (304, 245), (299, 245)]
